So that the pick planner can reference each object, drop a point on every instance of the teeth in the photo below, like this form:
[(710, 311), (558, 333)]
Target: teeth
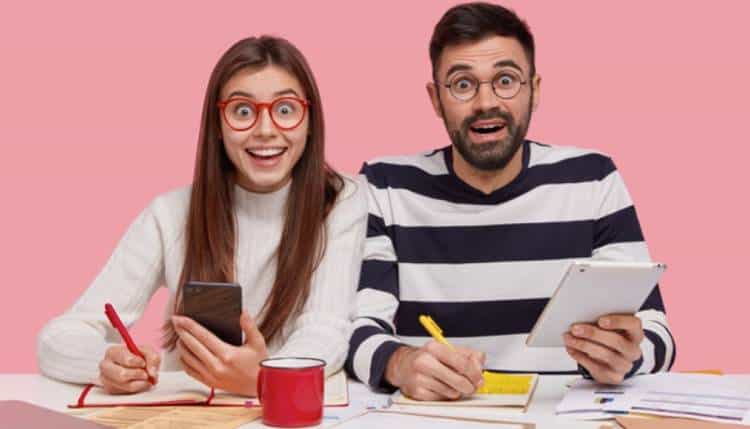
[(488, 127), (267, 151)]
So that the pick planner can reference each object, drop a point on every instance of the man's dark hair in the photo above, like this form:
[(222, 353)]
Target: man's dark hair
[(472, 22)]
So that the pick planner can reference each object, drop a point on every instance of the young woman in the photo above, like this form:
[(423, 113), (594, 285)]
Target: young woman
[(264, 210)]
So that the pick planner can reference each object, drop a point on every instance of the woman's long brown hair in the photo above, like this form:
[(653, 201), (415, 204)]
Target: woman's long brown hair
[(210, 233)]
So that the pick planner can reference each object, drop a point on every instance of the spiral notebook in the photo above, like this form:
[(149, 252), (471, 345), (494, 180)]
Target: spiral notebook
[(178, 388)]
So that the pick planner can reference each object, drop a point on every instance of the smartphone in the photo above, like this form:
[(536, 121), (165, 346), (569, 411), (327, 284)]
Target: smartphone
[(216, 306)]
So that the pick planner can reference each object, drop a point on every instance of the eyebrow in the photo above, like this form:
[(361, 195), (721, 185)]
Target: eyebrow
[(508, 63), (287, 91), (502, 63), (457, 67)]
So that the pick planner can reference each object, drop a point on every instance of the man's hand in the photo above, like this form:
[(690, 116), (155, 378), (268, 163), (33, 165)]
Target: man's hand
[(435, 371), (607, 350)]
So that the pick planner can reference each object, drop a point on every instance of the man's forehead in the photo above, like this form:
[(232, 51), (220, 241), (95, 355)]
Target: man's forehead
[(485, 52)]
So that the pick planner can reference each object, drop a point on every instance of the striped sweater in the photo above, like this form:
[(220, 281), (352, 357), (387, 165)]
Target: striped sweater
[(484, 265)]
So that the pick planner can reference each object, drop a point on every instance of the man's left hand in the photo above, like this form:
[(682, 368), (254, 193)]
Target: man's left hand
[(608, 349)]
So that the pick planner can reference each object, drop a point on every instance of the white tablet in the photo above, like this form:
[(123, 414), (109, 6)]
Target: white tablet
[(590, 290)]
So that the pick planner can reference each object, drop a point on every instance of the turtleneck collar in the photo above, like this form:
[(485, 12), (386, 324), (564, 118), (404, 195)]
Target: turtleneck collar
[(267, 205)]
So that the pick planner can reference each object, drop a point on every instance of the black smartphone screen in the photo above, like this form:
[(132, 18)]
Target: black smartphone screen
[(216, 306)]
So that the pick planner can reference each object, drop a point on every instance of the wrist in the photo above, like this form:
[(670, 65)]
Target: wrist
[(393, 369)]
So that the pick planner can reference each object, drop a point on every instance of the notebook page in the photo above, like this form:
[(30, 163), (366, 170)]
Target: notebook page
[(172, 386)]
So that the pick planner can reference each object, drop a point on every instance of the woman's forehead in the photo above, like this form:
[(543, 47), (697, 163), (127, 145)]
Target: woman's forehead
[(262, 83)]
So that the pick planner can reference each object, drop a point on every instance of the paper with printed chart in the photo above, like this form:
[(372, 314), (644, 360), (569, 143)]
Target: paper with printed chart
[(696, 396)]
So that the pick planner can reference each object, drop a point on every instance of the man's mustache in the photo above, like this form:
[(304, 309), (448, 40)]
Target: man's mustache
[(488, 114)]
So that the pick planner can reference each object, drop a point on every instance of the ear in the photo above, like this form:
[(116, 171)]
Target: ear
[(432, 92), (536, 83)]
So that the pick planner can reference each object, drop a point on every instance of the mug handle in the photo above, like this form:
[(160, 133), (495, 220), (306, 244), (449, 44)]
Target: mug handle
[(259, 384)]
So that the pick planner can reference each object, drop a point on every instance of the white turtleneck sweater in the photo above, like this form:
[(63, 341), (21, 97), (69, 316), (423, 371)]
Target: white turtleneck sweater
[(150, 256)]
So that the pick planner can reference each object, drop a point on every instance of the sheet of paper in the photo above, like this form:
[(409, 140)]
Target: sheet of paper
[(363, 400), (337, 389), (172, 385), (126, 417), (186, 417), (379, 420), (669, 423), (587, 400), (721, 406), (481, 413), (84, 412)]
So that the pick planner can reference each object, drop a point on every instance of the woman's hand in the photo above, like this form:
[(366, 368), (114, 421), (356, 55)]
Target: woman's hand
[(216, 363), (123, 372)]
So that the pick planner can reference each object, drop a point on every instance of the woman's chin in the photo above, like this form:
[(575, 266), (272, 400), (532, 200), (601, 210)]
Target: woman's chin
[(263, 182)]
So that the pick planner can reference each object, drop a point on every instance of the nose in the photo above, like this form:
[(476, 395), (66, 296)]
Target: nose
[(265, 127), (485, 98)]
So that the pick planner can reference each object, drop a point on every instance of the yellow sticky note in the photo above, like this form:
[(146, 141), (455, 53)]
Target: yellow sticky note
[(508, 384)]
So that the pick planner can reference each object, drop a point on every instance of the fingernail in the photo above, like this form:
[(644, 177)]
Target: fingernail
[(481, 382), (605, 322), (578, 330)]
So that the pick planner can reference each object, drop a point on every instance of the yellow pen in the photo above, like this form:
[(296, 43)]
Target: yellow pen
[(434, 330)]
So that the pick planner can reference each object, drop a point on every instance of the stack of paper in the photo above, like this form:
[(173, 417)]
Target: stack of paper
[(696, 396), (669, 423)]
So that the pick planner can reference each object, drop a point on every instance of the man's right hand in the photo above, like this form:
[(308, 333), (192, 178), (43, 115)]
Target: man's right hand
[(123, 372), (435, 371)]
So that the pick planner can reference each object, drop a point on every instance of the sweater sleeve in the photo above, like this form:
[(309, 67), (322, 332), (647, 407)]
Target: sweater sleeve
[(322, 330), (618, 236), (70, 347), (373, 340)]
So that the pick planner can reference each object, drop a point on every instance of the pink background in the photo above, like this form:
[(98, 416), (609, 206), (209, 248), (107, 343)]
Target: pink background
[(101, 102)]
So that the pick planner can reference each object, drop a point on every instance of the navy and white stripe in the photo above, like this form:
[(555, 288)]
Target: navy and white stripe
[(484, 266)]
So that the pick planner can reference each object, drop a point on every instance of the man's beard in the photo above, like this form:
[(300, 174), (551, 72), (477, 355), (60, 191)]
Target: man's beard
[(493, 155)]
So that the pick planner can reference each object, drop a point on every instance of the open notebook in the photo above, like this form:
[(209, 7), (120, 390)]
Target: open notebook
[(178, 388), (503, 390)]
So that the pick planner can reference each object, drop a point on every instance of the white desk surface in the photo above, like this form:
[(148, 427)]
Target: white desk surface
[(55, 395)]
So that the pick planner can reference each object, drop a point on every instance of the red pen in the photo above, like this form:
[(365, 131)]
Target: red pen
[(114, 319)]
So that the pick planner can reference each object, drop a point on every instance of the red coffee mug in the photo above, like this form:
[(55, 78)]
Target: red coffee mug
[(290, 391)]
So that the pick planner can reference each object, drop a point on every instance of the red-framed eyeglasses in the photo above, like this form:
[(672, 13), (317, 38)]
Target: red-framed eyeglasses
[(242, 113)]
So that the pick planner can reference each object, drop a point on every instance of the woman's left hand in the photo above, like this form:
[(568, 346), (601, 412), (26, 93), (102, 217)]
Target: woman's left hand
[(217, 364)]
